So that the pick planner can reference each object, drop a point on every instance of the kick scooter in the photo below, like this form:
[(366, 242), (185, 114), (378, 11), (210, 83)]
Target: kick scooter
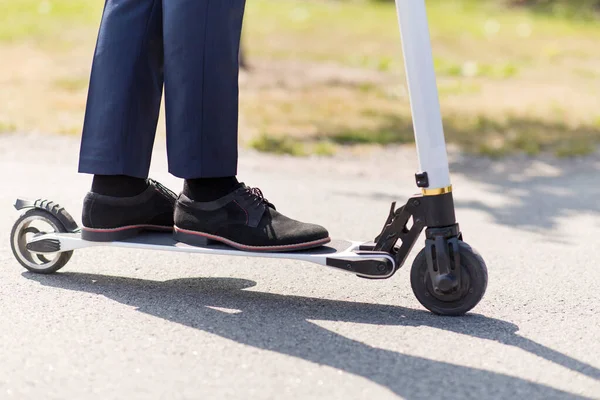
[(448, 277)]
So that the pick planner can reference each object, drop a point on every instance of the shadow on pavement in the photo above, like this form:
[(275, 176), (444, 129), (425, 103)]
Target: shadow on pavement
[(282, 324), (539, 193)]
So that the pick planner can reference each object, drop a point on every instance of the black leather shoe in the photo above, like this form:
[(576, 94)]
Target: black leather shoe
[(244, 219), (108, 219)]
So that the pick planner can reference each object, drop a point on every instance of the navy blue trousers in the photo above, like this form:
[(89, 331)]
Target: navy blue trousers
[(189, 47)]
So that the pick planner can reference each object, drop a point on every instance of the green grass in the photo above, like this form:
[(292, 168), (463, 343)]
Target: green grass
[(368, 37), (474, 43), (278, 145), (6, 127), (368, 34), (475, 134), (45, 20), (574, 148), (292, 146), (458, 87), (324, 148), (481, 51), (72, 84), (586, 10), (473, 69), (380, 136)]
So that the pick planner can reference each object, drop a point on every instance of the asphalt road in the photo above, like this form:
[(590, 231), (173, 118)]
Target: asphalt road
[(126, 324)]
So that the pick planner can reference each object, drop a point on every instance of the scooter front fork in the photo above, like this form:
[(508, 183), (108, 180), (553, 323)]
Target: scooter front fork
[(435, 214), (441, 240), (443, 258)]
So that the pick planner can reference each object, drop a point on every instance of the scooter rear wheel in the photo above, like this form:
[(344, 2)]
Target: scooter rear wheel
[(31, 223), (474, 278)]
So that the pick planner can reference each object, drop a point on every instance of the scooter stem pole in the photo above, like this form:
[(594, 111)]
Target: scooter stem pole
[(422, 88)]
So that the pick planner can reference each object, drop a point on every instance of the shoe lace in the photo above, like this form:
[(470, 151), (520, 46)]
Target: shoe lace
[(259, 197), (164, 190)]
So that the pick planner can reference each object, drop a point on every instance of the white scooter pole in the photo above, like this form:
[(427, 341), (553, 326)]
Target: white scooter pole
[(422, 87)]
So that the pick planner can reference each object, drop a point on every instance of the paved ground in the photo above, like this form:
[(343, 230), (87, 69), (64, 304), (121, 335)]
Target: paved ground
[(118, 324)]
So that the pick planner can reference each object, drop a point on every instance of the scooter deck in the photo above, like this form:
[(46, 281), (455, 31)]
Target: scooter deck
[(166, 242), (340, 254)]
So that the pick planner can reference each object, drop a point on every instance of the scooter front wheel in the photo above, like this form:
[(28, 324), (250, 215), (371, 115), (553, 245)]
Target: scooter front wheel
[(31, 223), (474, 278)]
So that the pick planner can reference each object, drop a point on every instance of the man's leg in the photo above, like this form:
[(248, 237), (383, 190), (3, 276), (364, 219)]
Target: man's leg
[(125, 90), (120, 124), (202, 41)]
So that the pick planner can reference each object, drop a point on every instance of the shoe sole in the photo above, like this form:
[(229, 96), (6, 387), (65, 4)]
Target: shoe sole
[(205, 239), (119, 234)]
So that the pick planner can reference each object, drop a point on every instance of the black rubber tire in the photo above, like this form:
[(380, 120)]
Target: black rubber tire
[(473, 290), (61, 259)]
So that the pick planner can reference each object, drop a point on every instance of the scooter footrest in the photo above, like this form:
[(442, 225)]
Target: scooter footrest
[(371, 267)]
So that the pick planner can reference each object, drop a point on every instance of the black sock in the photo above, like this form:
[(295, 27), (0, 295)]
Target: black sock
[(209, 189), (118, 185)]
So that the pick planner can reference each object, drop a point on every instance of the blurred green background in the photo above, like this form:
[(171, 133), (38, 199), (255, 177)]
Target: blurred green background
[(513, 75)]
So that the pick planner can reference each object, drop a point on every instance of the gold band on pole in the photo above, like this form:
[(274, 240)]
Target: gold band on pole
[(437, 192)]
